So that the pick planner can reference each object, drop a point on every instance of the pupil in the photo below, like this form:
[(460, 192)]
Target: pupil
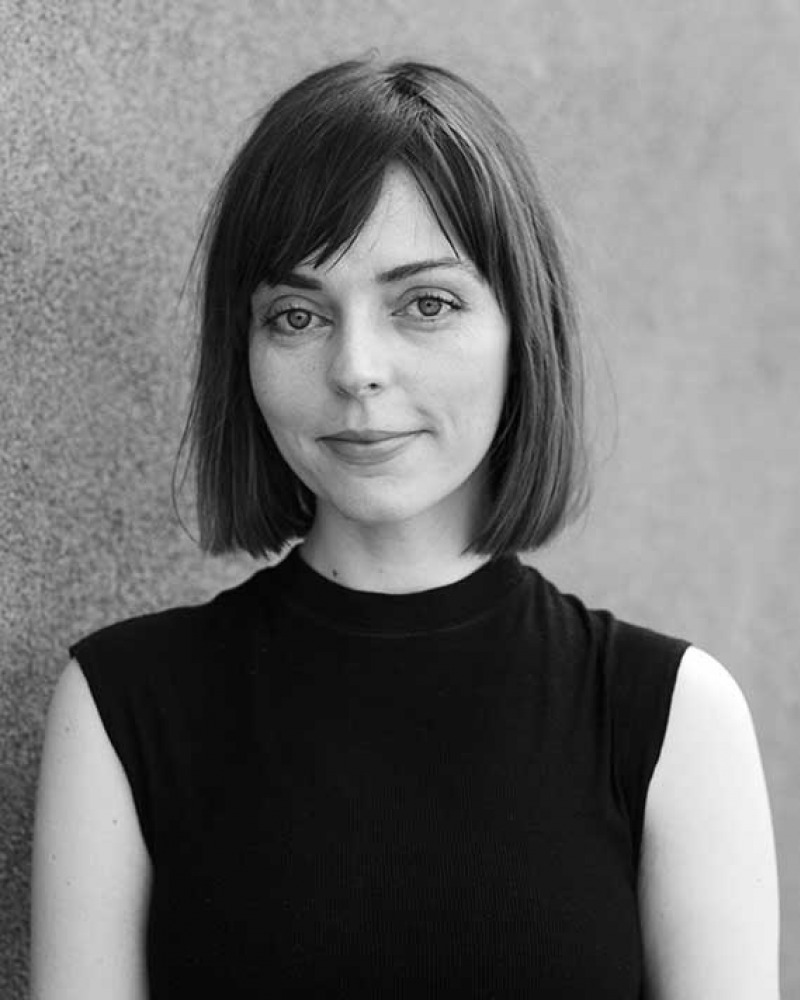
[(429, 307), (301, 316)]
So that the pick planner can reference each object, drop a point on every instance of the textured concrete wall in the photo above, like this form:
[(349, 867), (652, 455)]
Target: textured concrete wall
[(670, 139)]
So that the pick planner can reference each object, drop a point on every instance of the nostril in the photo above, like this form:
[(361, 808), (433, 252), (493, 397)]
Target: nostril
[(355, 389)]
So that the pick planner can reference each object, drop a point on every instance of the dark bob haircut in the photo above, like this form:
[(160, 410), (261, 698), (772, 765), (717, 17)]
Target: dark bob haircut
[(300, 189)]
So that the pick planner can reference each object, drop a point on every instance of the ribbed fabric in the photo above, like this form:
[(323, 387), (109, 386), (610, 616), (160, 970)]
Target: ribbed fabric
[(350, 794)]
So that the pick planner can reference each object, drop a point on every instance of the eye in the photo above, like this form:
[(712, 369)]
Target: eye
[(432, 306), (298, 319)]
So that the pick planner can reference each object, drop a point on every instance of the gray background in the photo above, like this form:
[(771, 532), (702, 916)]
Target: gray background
[(669, 136)]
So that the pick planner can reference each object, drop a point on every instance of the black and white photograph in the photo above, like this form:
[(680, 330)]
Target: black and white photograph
[(399, 495)]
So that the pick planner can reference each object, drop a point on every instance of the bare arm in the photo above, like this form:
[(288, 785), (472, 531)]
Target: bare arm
[(708, 888), (90, 866)]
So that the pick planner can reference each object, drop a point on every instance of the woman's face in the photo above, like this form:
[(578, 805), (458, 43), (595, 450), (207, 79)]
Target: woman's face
[(381, 378)]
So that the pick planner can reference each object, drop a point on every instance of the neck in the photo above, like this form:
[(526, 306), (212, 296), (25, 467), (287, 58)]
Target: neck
[(393, 559)]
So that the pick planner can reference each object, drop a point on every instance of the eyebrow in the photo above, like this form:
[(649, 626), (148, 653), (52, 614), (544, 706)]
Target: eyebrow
[(295, 280)]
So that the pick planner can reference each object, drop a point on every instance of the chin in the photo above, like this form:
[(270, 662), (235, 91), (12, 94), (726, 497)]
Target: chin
[(374, 512), (377, 506)]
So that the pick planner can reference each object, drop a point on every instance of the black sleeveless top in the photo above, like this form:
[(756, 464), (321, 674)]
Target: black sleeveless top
[(352, 794)]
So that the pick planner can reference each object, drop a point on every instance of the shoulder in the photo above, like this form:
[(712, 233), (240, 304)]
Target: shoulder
[(708, 876), (89, 857), (170, 634), (704, 684), (709, 754), (621, 647), (709, 776), (631, 670), (178, 663), (74, 733), (709, 726)]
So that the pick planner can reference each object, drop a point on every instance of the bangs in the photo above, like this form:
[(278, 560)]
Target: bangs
[(306, 184)]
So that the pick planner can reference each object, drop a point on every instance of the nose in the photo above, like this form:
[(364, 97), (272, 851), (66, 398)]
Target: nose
[(360, 362)]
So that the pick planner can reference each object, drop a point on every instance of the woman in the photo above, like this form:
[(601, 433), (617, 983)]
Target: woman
[(399, 762)]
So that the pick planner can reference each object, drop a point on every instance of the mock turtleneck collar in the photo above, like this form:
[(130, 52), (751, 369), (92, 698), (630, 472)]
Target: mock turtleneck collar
[(375, 613)]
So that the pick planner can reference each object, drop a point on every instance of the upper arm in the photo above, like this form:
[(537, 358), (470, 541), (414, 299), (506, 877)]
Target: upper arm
[(90, 866), (708, 890)]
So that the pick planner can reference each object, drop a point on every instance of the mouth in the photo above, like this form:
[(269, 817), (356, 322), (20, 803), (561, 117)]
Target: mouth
[(367, 437), (368, 448)]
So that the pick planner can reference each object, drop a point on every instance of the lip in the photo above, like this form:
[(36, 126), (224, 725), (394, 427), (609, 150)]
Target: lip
[(366, 436), (368, 448)]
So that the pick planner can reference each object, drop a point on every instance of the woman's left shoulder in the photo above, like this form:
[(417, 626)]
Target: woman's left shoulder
[(710, 743), (710, 736), (707, 703), (708, 874)]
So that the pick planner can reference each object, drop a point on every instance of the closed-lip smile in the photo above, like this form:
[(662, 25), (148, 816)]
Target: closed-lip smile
[(367, 437), (368, 448)]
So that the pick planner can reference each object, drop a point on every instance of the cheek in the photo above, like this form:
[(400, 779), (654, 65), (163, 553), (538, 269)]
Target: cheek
[(481, 388), (282, 392), (469, 405)]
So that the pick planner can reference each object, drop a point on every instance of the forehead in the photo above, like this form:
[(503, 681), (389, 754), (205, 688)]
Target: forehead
[(400, 228)]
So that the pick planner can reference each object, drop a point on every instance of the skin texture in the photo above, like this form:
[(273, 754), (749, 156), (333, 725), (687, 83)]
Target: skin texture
[(360, 353)]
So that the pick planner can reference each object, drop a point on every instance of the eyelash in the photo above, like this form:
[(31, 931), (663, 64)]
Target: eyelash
[(269, 320)]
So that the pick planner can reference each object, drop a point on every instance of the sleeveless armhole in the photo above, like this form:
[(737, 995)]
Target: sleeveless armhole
[(148, 677), (644, 671), (119, 704)]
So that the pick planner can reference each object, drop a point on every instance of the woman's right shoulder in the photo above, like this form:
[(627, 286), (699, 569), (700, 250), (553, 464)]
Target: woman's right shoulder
[(90, 863), (72, 723), (173, 635), (142, 632)]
